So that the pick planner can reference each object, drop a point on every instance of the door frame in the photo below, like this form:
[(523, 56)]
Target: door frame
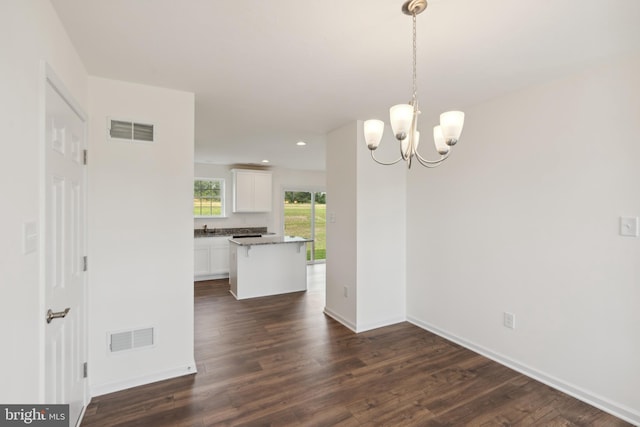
[(48, 76), (312, 190)]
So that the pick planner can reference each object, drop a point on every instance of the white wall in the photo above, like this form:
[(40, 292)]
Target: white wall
[(366, 243), (381, 233), (31, 33), (342, 225), (140, 234), (282, 178), (524, 218)]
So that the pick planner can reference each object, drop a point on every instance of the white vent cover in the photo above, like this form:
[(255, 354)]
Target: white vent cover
[(129, 340), (126, 130)]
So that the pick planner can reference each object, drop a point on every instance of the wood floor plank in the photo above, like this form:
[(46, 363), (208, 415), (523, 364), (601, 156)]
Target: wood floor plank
[(279, 361)]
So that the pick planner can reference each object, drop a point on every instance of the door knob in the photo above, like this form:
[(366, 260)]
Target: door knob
[(57, 314)]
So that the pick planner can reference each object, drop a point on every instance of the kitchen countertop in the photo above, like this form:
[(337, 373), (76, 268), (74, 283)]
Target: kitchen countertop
[(228, 232), (269, 240)]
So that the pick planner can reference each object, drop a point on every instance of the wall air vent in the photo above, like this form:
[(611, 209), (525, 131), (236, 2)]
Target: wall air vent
[(128, 340), (126, 130)]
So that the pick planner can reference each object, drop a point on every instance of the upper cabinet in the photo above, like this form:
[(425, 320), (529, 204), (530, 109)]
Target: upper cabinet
[(251, 190)]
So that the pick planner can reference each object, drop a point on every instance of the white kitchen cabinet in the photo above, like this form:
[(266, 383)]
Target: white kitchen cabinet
[(252, 190), (211, 258), (201, 261)]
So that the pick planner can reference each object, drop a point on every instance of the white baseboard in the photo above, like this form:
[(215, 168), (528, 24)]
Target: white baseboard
[(364, 328), (382, 324), (211, 277), (100, 389), (340, 319), (599, 402)]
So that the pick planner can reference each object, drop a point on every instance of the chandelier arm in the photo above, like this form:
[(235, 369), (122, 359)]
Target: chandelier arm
[(402, 155), (411, 136), (431, 163), (384, 163)]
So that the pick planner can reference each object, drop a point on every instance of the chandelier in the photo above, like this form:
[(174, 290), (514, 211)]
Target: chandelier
[(404, 117)]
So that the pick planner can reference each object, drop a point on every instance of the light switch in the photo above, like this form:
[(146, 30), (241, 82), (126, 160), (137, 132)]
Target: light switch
[(332, 217), (629, 226)]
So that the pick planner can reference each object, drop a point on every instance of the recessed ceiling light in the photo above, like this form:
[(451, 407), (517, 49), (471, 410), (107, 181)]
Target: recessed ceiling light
[(265, 161), (301, 143)]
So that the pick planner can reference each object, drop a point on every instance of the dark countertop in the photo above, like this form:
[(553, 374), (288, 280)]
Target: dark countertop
[(269, 240), (228, 232)]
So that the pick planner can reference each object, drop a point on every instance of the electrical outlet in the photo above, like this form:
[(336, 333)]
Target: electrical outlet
[(509, 320), (345, 291)]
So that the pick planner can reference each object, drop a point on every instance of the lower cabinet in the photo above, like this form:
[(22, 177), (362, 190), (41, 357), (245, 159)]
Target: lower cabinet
[(211, 258)]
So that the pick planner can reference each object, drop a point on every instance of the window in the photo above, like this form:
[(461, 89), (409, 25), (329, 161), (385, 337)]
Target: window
[(208, 197)]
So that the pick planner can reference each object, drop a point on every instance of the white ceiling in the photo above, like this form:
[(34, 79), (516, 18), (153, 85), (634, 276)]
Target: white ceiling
[(269, 73)]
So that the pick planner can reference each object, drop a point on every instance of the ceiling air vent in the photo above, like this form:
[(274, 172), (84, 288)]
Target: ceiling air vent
[(126, 130)]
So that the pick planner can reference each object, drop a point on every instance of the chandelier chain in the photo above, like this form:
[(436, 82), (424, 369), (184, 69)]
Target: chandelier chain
[(415, 85)]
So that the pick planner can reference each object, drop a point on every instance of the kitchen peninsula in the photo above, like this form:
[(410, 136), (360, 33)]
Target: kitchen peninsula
[(272, 265)]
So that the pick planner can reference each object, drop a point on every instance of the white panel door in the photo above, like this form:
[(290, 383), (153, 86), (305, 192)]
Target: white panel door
[(64, 249)]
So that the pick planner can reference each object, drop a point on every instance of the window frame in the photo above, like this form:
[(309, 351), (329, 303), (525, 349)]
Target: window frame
[(223, 207)]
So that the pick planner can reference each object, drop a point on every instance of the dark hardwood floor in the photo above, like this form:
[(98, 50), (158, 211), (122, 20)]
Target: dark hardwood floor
[(280, 361)]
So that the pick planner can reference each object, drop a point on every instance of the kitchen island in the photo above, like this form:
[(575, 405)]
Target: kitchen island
[(261, 266)]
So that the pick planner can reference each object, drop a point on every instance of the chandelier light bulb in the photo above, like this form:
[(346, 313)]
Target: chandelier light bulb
[(401, 116), (451, 123), (438, 138), (373, 130)]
